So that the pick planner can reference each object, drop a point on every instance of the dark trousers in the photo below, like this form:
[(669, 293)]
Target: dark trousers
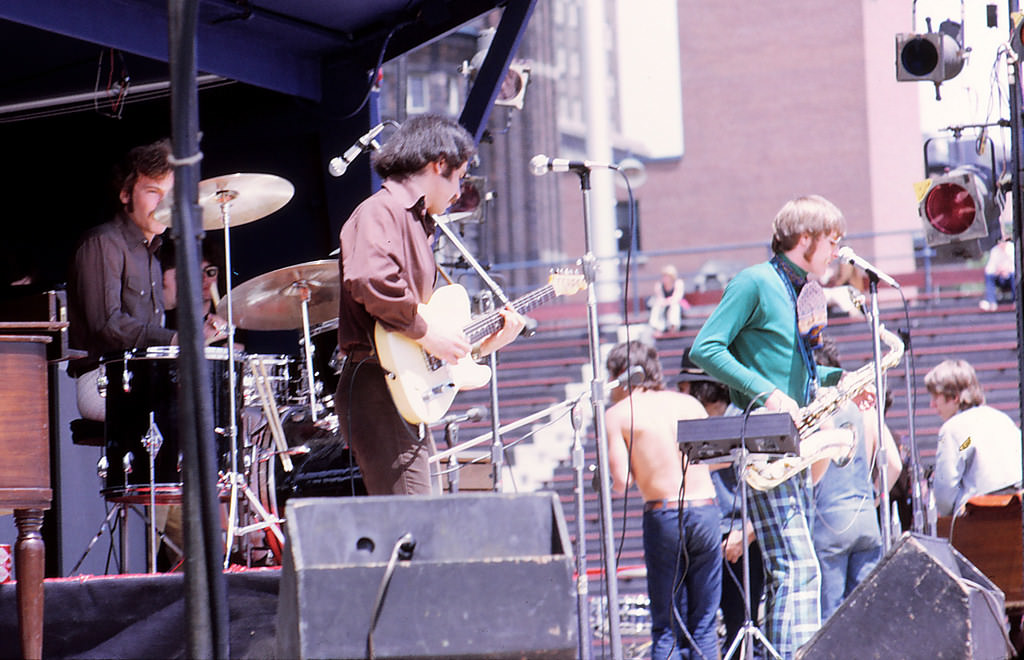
[(392, 457), (733, 611)]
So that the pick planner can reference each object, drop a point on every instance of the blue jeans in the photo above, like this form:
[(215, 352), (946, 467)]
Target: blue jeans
[(992, 282), (684, 572), (842, 572)]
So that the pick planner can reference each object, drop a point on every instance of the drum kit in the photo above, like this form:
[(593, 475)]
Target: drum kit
[(282, 408)]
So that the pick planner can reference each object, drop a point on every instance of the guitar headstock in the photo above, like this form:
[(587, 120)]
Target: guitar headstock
[(566, 282)]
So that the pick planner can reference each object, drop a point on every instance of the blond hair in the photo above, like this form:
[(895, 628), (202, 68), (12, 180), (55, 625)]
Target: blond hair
[(956, 380), (812, 215)]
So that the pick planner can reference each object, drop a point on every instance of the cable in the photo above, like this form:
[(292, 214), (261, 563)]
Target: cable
[(403, 549)]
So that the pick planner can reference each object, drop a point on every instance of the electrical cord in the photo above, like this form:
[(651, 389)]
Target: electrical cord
[(402, 549)]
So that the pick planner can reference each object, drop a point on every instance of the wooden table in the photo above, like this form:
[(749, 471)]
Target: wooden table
[(25, 471)]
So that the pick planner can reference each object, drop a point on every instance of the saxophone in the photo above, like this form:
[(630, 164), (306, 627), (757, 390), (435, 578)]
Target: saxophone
[(767, 475)]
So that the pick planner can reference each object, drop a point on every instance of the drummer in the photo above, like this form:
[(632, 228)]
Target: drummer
[(115, 285)]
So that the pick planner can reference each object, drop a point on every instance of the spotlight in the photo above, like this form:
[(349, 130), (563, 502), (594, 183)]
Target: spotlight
[(960, 209), (932, 56)]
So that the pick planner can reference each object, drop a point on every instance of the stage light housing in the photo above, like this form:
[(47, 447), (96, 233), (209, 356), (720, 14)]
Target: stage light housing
[(932, 56), (961, 210), (513, 88)]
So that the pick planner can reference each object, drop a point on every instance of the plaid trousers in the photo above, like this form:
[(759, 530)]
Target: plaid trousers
[(781, 518)]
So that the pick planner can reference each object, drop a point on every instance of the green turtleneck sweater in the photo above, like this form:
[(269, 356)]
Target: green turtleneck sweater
[(750, 341)]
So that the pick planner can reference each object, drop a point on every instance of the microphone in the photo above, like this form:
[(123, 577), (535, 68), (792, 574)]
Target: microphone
[(471, 415), (541, 164), (847, 254), (633, 377), (339, 164)]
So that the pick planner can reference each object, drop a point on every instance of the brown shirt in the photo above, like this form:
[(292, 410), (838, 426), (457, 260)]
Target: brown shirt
[(386, 265), (115, 293)]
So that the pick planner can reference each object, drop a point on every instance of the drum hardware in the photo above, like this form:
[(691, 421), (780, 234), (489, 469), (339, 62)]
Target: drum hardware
[(126, 376), (268, 521), (272, 416), (227, 201), (120, 511), (271, 413), (152, 441), (288, 299)]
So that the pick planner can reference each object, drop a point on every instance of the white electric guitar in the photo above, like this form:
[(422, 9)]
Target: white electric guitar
[(423, 386)]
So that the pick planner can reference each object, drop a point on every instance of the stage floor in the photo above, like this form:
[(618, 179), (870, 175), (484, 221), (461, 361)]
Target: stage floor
[(141, 616)]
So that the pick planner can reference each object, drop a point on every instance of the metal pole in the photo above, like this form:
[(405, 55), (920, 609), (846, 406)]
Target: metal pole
[(880, 451), (601, 437), (1013, 78), (205, 587)]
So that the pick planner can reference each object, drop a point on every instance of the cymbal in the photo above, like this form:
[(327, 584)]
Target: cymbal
[(242, 197), (273, 301)]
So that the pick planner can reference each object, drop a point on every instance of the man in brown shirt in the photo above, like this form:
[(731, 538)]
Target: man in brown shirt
[(387, 271), (115, 286)]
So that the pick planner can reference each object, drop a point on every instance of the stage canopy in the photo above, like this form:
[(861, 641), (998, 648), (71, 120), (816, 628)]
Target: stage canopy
[(297, 47)]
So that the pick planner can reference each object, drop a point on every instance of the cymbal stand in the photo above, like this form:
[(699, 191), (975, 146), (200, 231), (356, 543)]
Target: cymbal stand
[(302, 289), (224, 199)]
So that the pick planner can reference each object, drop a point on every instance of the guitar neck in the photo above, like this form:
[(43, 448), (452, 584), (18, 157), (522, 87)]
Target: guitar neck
[(491, 322)]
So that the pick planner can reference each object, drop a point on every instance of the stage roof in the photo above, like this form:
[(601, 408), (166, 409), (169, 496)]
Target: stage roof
[(289, 46)]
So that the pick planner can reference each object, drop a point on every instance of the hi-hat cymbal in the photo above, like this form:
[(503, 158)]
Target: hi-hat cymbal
[(273, 301), (241, 198)]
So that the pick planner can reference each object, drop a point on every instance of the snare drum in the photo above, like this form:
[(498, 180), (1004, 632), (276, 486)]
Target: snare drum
[(144, 381)]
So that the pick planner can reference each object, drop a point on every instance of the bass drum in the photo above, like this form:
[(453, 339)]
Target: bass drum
[(142, 394), (322, 465)]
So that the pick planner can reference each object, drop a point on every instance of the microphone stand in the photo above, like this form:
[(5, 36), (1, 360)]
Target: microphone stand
[(589, 264), (916, 497), (582, 581), (882, 462), (451, 434), (578, 464), (497, 448)]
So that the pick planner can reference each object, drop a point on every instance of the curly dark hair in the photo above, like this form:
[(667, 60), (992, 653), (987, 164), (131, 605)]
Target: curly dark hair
[(150, 160), (626, 355), (423, 140)]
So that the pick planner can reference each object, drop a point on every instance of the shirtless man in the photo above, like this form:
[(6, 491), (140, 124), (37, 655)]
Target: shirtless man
[(643, 449)]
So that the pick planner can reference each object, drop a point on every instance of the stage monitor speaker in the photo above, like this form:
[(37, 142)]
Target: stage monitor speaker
[(923, 600), (485, 575)]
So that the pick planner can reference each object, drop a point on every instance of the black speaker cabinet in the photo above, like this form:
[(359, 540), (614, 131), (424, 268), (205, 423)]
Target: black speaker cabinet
[(490, 576), (923, 600)]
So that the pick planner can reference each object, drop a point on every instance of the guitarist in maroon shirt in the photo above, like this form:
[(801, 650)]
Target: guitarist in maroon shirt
[(387, 271)]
